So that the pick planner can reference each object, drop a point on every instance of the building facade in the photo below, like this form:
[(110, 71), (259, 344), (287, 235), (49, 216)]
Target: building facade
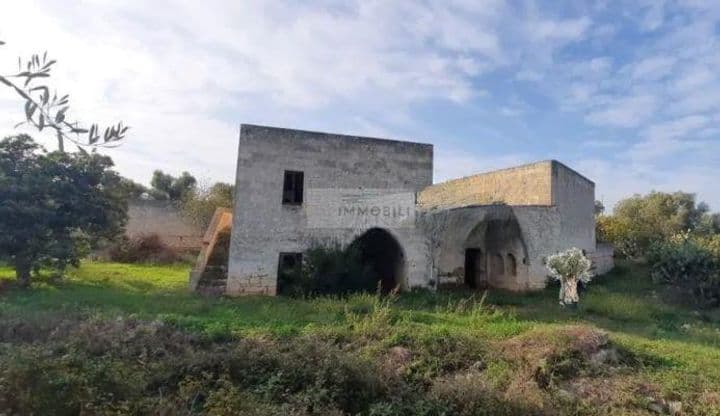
[(297, 189)]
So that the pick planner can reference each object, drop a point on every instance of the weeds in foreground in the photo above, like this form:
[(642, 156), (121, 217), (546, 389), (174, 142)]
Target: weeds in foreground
[(411, 353)]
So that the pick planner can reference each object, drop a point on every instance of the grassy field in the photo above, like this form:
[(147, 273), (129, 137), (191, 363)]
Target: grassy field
[(624, 351)]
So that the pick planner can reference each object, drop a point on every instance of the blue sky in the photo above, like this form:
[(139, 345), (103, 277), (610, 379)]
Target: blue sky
[(626, 92)]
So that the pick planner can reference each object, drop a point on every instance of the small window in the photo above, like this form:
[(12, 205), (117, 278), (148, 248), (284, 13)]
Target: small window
[(293, 188)]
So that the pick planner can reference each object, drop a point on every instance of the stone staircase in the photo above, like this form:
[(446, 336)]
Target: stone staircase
[(209, 276), (212, 281)]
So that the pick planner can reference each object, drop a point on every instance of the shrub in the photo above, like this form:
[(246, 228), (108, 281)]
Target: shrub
[(143, 249), (329, 270), (690, 264)]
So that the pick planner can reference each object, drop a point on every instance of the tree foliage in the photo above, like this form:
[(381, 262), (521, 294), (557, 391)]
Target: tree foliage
[(132, 190), (54, 205), (166, 186), (48, 110), (200, 203), (639, 221)]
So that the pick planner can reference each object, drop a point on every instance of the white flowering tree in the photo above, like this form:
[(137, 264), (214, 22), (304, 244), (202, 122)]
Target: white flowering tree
[(569, 267)]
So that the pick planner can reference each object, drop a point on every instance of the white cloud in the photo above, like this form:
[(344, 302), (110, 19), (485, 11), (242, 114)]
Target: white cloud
[(529, 75), (510, 111), (676, 128), (451, 163), (693, 78), (616, 179), (559, 30), (624, 111), (599, 143), (699, 100), (654, 16), (653, 68), (184, 74)]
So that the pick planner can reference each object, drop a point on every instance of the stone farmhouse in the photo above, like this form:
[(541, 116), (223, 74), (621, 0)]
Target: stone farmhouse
[(297, 189)]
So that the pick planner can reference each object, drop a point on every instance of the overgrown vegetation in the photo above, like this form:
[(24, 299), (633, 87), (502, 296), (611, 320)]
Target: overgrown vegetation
[(679, 238), (329, 270), (131, 340), (143, 249), (691, 265)]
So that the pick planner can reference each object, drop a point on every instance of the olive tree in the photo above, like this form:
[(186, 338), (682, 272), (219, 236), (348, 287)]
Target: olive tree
[(48, 110), (53, 206), (569, 267)]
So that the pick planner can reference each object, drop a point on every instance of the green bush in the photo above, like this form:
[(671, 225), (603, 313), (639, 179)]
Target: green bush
[(690, 264), (329, 270)]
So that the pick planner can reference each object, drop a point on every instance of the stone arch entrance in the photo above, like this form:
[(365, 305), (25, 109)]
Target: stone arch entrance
[(492, 250), (382, 257)]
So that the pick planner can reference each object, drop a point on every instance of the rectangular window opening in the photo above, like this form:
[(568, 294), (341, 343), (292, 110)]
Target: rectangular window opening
[(293, 188)]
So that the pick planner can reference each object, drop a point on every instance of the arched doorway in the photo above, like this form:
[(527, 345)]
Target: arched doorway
[(382, 259), (491, 250)]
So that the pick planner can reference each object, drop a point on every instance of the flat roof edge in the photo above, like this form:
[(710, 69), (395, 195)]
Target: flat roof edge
[(323, 133)]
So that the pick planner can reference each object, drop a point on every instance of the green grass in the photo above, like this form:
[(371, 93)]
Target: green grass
[(624, 302), (681, 344)]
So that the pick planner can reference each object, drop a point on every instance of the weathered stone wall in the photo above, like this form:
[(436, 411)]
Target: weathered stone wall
[(523, 185), (552, 204), (263, 227), (163, 218), (603, 258), (574, 197), (450, 231)]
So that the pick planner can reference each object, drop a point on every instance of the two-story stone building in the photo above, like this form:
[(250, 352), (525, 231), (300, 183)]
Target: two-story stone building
[(296, 189)]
